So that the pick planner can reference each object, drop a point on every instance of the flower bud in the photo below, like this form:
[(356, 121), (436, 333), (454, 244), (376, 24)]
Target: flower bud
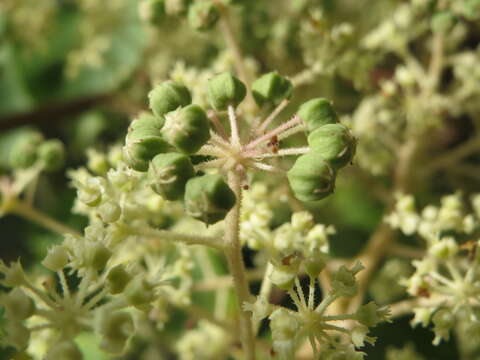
[(311, 178), (344, 283), (147, 120), (52, 154), (334, 143), (208, 198), (283, 278), (285, 326), (91, 192), (315, 263), (317, 112), (66, 350), (443, 320), (109, 212), (187, 129), (370, 314), (97, 255), (225, 89), (139, 292), (169, 173), (13, 274), (271, 88), (18, 306), (115, 328), (117, 279), (24, 150), (97, 162), (141, 145), (203, 15), (168, 96), (56, 259)]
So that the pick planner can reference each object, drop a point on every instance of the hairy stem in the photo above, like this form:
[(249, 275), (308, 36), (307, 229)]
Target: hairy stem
[(233, 252)]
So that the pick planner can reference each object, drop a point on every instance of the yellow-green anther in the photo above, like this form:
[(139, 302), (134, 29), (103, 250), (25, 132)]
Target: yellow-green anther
[(311, 178), (224, 90)]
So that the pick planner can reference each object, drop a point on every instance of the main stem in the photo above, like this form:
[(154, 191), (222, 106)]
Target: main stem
[(233, 252)]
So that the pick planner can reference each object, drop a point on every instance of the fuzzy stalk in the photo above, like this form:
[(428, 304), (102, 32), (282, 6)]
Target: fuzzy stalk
[(233, 253)]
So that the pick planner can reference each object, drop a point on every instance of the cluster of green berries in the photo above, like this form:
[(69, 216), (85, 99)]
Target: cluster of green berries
[(28, 148), (331, 147), (201, 15), (163, 144)]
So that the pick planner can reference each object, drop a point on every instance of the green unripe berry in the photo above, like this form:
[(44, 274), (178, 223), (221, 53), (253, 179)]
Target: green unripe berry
[(169, 173), (52, 154), (187, 129), (66, 350), (317, 112), (56, 259), (152, 11), (139, 292), (271, 88), (142, 144), (311, 178), (24, 151), (147, 120), (18, 306), (334, 143), (117, 279), (224, 90), (208, 198), (203, 15), (168, 96), (97, 256), (109, 212)]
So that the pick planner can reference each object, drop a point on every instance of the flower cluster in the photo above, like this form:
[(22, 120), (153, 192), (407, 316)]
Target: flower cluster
[(167, 143), (446, 278), (302, 246)]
